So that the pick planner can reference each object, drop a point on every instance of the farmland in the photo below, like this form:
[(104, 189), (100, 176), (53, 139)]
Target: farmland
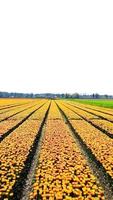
[(55, 149), (96, 102)]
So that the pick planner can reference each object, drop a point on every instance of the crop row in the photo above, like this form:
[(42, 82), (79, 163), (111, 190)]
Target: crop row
[(95, 112), (54, 112), (88, 116), (10, 113), (100, 144), (8, 109), (62, 171), (97, 108), (14, 150), (10, 123), (100, 123), (7, 103), (71, 115)]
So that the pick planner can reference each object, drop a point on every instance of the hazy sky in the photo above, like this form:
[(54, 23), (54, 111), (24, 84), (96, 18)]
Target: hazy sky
[(56, 46)]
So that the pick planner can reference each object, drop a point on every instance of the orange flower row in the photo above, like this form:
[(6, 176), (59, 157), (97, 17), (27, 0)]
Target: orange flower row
[(63, 172), (14, 150)]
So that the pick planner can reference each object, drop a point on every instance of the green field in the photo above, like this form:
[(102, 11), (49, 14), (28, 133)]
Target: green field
[(96, 102)]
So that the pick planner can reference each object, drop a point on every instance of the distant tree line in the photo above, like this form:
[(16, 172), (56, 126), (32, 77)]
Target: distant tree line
[(51, 95), (88, 96), (15, 95)]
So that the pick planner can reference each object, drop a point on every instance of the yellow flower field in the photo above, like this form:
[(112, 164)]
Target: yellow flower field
[(55, 150)]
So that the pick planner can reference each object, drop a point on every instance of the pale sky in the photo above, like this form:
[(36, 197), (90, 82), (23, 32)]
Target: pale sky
[(56, 46)]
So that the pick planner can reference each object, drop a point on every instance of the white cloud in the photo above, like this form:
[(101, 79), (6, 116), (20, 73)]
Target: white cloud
[(56, 46)]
